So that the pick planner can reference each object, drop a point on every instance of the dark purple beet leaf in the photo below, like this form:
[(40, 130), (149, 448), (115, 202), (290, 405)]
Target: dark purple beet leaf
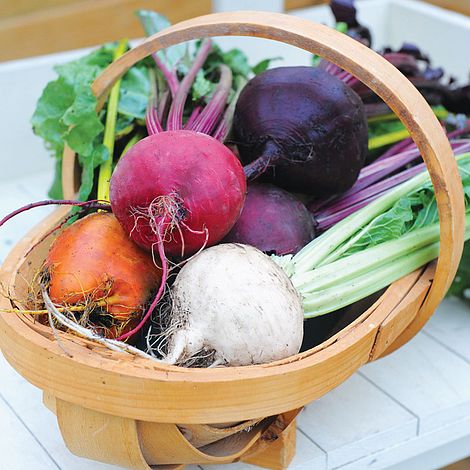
[(344, 11)]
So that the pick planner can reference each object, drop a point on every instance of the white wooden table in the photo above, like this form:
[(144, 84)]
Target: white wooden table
[(410, 410)]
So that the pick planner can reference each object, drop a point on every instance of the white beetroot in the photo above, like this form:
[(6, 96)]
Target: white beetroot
[(232, 305)]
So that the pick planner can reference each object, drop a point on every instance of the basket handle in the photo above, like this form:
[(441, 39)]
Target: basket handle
[(370, 68)]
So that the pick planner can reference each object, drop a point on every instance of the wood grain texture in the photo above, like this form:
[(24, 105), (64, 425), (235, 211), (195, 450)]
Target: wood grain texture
[(84, 23), (404, 312), (201, 435), (460, 6), (279, 453), (308, 456), (106, 438)]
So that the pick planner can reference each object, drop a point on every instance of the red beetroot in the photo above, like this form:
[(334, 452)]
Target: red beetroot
[(183, 186), (273, 221)]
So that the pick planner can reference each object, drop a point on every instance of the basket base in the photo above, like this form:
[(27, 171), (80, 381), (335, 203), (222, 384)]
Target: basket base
[(278, 454), (139, 445)]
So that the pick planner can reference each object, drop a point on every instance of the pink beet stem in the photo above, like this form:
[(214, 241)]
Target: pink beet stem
[(335, 210), (225, 123), (161, 289), (175, 116), (95, 204), (374, 172), (372, 190), (151, 120), (378, 169), (398, 147), (196, 111), (170, 76), (151, 117), (324, 223), (209, 117), (459, 132), (162, 105)]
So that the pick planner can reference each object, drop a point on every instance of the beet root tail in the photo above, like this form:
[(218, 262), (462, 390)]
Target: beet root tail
[(259, 166)]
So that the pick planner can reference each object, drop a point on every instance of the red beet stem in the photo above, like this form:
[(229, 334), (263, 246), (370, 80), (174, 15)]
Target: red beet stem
[(162, 106), (459, 132), (225, 123), (161, 289), (335, 209), (397, 148), (151, 118), (170, 76), (175, 116), (209, 117), (370, 191), (195, 113), (323, 223), (370, 174), (95, 204), (151, 121)]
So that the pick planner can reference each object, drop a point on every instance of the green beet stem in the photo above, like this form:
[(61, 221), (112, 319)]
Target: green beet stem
[(110, 130)]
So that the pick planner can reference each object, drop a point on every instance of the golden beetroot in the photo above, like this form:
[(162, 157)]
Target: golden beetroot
[(93, 262)]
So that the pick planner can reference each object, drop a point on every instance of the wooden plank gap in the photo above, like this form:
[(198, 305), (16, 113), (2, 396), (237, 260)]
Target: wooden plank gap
[(3, 399), (393, 399), (313, 442), (444, 345)]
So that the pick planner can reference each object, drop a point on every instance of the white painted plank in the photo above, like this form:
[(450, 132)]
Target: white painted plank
[(308, 457), (26, 400), (450, 326), (355, 420), (437, 458), (427, 451), (428, 379), (18, 448), (14, 194)]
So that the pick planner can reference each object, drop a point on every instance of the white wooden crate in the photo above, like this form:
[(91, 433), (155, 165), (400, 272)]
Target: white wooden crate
[(422, 391)]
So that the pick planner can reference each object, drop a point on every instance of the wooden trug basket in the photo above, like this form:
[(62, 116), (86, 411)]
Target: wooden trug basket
[(136, 413)]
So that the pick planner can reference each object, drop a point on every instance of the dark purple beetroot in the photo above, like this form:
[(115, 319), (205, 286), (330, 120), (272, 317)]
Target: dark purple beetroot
[(273, 221), (303, 128)]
